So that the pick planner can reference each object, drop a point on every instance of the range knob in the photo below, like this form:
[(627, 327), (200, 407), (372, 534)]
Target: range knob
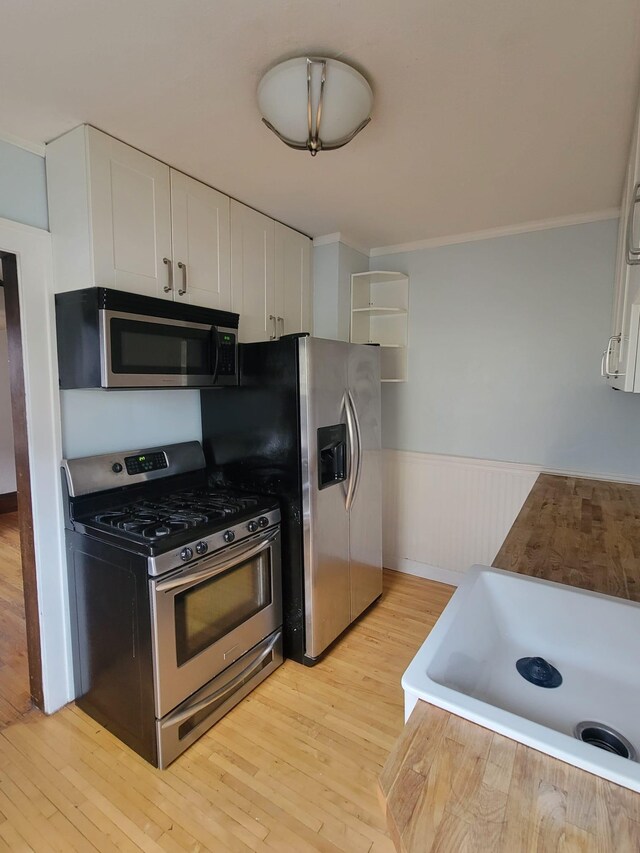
[(228, 536), (263, 521), (202, 548), (116, 467), (252, 526), (186, 554)]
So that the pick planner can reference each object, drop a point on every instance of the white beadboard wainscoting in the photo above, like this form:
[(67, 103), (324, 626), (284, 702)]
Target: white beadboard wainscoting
[(442, 514)]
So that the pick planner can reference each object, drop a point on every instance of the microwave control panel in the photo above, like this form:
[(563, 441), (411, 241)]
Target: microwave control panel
[(226, 354), (146, 462)]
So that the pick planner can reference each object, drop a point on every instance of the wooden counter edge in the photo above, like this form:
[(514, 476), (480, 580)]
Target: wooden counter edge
[(447, 780)]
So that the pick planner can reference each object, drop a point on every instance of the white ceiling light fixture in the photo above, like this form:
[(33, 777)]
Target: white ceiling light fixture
[(315, 103)]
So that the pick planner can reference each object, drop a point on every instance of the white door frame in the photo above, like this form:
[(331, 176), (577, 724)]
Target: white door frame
[(32, 246)]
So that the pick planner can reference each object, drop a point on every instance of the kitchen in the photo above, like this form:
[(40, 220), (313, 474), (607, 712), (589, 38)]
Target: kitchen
[(508, 311)]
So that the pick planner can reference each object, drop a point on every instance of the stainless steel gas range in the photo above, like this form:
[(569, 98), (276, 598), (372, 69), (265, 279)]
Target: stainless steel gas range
[(175, 591)]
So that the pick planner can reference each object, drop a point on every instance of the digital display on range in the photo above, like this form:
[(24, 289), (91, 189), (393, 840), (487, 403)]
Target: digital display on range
[(147, 462)]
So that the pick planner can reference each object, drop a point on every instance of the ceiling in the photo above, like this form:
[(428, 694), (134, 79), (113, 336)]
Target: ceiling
[(486, 114)]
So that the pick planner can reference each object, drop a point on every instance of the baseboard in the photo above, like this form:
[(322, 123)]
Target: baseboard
[(9, 502), (422, 570)]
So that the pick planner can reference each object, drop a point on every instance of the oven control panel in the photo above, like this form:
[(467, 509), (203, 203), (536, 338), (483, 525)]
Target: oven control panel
[(145, 462), (162, 563)]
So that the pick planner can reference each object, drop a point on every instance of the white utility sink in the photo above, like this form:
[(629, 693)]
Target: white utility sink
[(467, 665)]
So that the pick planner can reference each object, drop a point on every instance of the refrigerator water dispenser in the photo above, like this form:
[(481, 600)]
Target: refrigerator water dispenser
[(332, 455)]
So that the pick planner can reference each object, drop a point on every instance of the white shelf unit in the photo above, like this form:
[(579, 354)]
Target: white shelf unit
[(379, 315)]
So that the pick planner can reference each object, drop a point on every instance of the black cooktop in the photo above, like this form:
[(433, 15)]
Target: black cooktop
[(169, 517)]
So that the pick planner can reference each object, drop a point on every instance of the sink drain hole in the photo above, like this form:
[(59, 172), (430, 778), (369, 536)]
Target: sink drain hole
[(605, 738)]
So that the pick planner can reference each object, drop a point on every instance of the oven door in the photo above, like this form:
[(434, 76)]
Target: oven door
[(139, 351), (210, 613)]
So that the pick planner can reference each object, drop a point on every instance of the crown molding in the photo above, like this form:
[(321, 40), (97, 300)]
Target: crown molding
[(33, 147), (327, 239), (491, 233), (339, 237)]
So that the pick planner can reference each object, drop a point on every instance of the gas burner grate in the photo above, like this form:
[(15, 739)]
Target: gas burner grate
[(160, 517)]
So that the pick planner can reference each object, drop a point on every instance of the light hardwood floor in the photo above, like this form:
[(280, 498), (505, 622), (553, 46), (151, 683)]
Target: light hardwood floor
[(15, 700), (293, 768)]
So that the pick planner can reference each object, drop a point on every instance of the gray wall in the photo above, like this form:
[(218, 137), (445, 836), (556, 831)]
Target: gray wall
[(102, 421), (333, 265), (23, 190), (325, 290), (349, 262), (505, 339)]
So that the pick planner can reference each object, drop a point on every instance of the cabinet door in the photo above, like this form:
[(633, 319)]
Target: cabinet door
[(622, 348), (130, 217), (252, 273), (293, 280), (201, 251)]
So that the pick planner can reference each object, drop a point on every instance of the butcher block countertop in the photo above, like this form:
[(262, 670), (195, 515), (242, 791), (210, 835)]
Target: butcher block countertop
[(454, 787), (451, 785), (584, 533)]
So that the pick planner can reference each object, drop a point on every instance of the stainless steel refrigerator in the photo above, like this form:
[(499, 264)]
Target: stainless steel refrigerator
[(304, 424)]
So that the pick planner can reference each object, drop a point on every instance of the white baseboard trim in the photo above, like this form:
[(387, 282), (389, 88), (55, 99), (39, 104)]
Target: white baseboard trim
[(586, 475), (419, 457), (422, 570), (442, 514)]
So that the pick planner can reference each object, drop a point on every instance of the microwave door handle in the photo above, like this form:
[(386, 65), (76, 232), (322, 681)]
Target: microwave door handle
[(215, 346), (222, 691), (216, 566)]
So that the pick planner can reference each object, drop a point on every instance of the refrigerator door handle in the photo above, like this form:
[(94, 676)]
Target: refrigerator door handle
[(358, 456), (351, 481)]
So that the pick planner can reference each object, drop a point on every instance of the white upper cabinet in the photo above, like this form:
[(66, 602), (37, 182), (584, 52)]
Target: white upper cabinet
[(270, 276), (200, 229), (109, 214), (253, 273), (130, 213), (122, 219), (293, 281), (620, 358)]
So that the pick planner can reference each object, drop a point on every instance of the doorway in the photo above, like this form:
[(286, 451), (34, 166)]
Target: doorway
[(20, 655)]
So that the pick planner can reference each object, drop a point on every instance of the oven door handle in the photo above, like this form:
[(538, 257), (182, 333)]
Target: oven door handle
[(222, 691), (217, 566)]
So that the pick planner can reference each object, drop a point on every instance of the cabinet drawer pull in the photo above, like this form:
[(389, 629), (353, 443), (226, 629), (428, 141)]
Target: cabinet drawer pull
[(169, 285), (274, 336), (282, 322), (183, 289)]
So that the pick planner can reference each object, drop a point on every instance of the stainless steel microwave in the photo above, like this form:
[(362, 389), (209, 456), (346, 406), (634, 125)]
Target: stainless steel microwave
[(111, 339)]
